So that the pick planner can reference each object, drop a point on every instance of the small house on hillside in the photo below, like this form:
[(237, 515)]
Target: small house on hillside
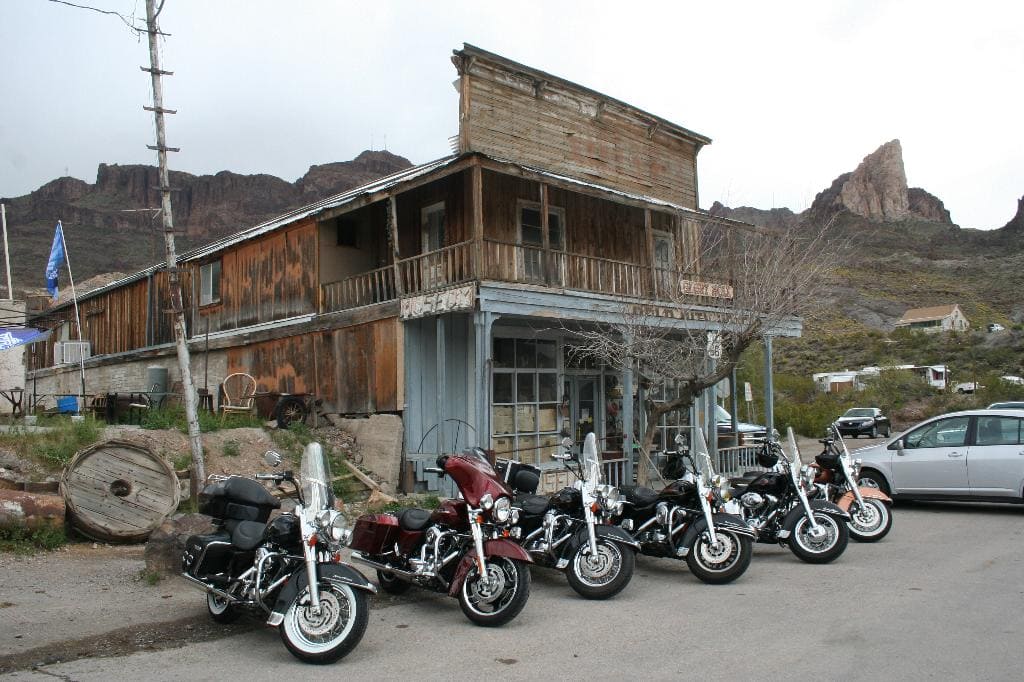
[(853, 380), (940, 318)]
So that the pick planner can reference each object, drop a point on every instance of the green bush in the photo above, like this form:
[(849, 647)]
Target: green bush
[(174, 418), (231, 448), (23, 541), (55, 446)]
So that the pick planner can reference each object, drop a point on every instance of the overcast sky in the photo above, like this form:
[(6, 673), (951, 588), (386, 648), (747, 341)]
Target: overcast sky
[(792, 93)]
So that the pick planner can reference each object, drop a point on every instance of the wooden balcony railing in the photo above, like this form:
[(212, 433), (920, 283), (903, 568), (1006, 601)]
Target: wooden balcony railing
[(518, 263), (437, 269), (366, 288)]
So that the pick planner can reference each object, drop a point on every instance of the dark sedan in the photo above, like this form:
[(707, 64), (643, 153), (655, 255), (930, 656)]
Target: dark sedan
[(864, 421)]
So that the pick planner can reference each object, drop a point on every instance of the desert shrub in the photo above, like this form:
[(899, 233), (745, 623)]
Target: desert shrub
[(24, 541)]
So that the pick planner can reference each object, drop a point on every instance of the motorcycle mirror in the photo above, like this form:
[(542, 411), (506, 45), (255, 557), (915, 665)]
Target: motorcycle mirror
[(272, 458), (680, 441), (567, 443)]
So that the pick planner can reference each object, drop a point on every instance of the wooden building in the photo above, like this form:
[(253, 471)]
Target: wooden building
[(445, 293)]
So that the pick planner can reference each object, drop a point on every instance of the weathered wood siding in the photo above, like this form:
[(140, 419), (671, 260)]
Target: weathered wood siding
[(512, 114), (266, 279), (367, 365), (454, 192)]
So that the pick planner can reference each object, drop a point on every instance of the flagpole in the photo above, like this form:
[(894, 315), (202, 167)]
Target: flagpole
[(74, 297)]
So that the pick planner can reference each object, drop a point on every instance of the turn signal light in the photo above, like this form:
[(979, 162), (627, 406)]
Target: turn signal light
[(595, 507), (312, 540)]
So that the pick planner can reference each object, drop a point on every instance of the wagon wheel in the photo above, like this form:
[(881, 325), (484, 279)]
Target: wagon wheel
[(291, 410)]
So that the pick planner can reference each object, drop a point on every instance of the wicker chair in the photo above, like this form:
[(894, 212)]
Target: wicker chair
[(239, 390)]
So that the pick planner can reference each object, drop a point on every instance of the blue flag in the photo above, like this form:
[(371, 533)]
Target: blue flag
[(56, 260), (16, 336)]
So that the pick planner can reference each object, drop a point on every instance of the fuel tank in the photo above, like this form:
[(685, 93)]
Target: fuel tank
[(769, 483), (451, 513)]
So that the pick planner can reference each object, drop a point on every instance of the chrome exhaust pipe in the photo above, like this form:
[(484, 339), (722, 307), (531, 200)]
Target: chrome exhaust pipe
[(199, 584), (408, 575)]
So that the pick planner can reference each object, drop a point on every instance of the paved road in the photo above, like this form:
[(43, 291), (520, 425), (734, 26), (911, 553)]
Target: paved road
[(940, 597)]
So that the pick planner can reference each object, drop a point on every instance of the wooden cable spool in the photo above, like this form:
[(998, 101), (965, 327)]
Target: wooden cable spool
[(118, 491)]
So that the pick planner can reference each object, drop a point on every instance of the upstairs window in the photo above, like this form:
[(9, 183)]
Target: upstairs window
[(531, 236), (209, 283), (432, 221)]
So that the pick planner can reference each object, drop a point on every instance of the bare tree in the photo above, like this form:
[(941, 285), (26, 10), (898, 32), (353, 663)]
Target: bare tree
[(735, 284)]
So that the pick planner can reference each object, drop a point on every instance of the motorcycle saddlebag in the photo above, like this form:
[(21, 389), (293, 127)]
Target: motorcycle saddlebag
[(207, 555), (237, 498), (375, 533)]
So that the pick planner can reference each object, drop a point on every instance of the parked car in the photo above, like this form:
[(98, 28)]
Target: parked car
[(1010, 379), (967, 387), (745, 433), (932, 460), (995, 327), (1011, 405), (864, 421)]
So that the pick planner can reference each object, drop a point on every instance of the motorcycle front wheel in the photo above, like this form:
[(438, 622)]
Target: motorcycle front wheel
[(332, 633), (501, 597), (720, 562), (819, 549), (871, 522), (603, 575)]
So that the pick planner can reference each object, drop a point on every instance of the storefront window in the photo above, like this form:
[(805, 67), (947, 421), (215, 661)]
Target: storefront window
[(524, 409)]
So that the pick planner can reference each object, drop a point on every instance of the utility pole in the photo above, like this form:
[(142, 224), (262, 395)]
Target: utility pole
[(177, 308)]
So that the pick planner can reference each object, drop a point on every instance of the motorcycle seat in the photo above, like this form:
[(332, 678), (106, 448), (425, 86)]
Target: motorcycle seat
[(246, 535), (532, 505), (414, 519), (639, 495)]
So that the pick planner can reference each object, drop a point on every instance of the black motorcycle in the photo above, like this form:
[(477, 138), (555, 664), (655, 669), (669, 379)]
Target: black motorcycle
[(776, 506), (288, 570), (569, 531), (685, 520)]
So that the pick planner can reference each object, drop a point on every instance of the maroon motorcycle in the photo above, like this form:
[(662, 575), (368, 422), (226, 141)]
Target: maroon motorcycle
[(462, 548)]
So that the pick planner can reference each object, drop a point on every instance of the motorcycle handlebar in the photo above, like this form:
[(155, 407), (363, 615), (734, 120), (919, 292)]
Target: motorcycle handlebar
[(434, 470), (269, 477)]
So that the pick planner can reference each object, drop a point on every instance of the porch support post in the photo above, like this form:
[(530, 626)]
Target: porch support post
[(392, 220), (734, 404), (482, 326), (649, 237), (627, 419), (439, 380), (477, 184), (546, 255), (710, 403), (769, 388)]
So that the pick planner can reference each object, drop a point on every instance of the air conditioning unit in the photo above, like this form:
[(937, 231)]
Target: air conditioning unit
[(71, 352)]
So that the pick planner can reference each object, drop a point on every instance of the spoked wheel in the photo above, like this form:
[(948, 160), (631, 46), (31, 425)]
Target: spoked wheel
[(498, 599), (823, 545), (392, 585), (602, 575), (291, 411), (871, 522), (722, 561), (327, 635), (221, 610)]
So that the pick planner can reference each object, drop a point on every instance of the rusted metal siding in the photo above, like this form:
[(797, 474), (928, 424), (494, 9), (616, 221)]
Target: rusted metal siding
[(267, 279), (288, 365)]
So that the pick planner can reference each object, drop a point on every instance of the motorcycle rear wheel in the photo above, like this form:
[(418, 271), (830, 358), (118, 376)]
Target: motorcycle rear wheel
[(331, 634), (721, 564), (870, 523), (819, 551), (603, 576), (221, 610), (500, 601)]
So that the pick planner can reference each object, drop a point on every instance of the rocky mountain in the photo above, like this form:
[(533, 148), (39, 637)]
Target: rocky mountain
[(905, 251), (107, 228)]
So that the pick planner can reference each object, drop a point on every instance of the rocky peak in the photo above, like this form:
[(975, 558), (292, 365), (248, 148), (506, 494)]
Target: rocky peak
[(330, 178), (876, 190), (928, 206), (1016, 224)]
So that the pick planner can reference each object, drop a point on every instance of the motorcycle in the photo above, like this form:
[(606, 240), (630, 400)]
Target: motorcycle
[(870, 509), (463, 548), (289, 569), (569, 531), (776, 506), (686, 519)]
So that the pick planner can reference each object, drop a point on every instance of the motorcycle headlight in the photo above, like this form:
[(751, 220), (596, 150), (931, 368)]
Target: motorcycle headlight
[(610, 500), (487, 501), (502, 509), (339, 529)]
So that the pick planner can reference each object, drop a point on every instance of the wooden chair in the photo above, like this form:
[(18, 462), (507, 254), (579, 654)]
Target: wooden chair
[(239, 390)]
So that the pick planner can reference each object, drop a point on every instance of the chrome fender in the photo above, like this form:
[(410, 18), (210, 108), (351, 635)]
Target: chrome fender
[(794, 515), (499, 547), (724, 522)]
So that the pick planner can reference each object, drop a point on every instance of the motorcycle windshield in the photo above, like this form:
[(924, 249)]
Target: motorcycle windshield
[(791, 449), (315, 472), (590, 463), (702, 458)]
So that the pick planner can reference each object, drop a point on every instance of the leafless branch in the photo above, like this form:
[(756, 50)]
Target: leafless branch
[(130, 23)]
